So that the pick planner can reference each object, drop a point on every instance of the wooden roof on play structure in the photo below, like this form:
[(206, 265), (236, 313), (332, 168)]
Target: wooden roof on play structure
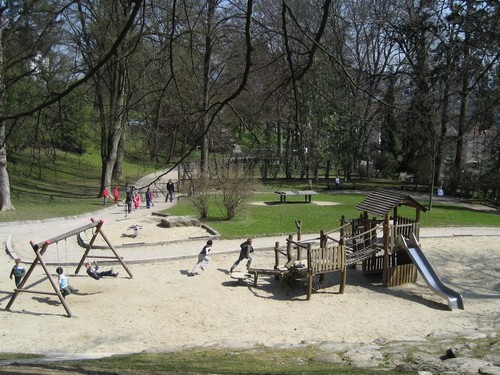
[(382, 201)]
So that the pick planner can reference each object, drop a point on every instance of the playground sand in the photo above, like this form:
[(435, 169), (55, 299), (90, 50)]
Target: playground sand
[(163, 309)]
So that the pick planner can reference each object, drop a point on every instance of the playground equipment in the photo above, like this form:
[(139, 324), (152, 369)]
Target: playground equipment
[(41, 248), (375, 243), (454, 299), (323, 255)]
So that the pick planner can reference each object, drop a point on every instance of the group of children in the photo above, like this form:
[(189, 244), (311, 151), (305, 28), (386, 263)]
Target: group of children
[(18, 272), (246, 249), (133, 197)]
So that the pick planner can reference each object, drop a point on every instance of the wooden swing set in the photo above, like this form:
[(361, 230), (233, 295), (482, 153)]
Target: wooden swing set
[(41, 248)]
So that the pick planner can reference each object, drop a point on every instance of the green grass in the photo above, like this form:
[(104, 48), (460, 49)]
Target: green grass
[(68, 185), (279, 219), (258, 360)]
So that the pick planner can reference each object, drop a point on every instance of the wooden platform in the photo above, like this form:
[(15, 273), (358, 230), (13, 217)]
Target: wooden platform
[(278, 272)]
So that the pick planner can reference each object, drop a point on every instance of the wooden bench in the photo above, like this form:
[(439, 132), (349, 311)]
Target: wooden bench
[(307, 194)]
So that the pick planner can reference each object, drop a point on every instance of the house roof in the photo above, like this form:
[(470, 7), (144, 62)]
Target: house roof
[(382, 201)]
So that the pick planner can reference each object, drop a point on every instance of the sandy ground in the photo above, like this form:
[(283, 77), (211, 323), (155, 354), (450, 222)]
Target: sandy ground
[(161, 308)]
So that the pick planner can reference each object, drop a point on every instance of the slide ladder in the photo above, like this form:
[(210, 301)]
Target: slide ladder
[(455, 300)]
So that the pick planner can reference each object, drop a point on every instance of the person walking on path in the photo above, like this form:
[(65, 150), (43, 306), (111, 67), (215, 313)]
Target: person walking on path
[(149, 198), (246, 250), (18, 272), (170, 191), (203, 259), (116, 194), (129, 200)]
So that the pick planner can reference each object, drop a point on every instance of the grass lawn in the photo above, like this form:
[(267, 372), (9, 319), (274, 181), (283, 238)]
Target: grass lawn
[(64, 186), (258, 360), (258, 218)]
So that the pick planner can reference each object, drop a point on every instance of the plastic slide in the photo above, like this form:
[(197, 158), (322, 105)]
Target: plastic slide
[(455, 300)]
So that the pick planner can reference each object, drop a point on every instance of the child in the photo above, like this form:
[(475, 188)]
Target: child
[(246, 250), (105, 195), (18, 272), (137, 199), (93, 272), (203, 258), (64, 286), (116, 194)]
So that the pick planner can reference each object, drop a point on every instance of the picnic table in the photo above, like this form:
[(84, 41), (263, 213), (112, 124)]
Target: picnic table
[(307, 194)]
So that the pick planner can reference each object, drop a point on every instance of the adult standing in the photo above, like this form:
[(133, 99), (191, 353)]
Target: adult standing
[(246, 250), (129, 200), (149, 198), (170, 191), (203, 259)]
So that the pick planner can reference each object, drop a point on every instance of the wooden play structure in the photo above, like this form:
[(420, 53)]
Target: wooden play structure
[(371, 242), (41, 248)]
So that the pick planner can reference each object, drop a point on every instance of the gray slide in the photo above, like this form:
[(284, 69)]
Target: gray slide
[(455, 300)]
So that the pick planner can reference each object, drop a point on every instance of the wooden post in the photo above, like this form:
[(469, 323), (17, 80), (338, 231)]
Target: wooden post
[(322, 238), (343, 279), (289, 248), (89, 246), (298, 224), (38, 259), (385, 265), (417, 219), (276, 255), (342, 230), (23, 281), (309, 273), (54, 284), (323, 246), (114, 251)]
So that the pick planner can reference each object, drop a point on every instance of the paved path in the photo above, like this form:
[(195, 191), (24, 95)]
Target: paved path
[(17, 235)]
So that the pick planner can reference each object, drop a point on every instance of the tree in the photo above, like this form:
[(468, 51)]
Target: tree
[(5, 202), (101, 24)]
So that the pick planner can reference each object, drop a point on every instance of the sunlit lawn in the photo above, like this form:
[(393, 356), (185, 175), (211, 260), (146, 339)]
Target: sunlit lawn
[(262, 215)]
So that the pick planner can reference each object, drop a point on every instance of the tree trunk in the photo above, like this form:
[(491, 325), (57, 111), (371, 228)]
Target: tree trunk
[(118, 167), (206, 84), (111, 121), (5, 202), (459, 161), (442, 133)]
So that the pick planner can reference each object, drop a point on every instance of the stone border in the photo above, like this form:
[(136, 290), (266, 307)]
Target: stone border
[(212, 234)]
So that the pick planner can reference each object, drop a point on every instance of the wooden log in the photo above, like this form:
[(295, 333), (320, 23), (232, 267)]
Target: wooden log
[(35, 292)]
